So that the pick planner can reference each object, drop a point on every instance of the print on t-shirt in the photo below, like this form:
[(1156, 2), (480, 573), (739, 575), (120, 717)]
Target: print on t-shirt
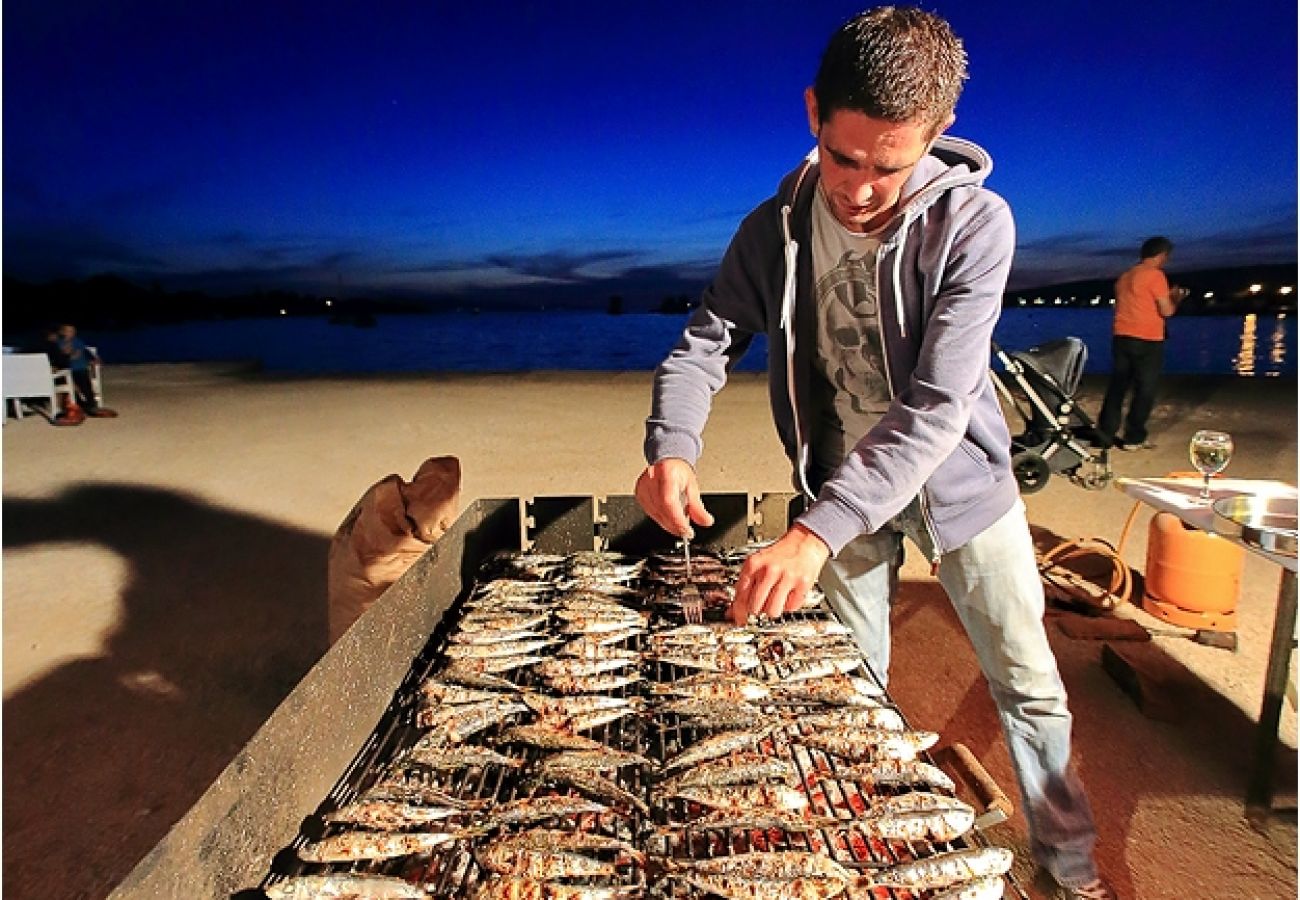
[(851, 358)]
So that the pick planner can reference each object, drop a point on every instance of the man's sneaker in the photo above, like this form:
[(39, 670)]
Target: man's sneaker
[(1126, 445), (1093, 890)]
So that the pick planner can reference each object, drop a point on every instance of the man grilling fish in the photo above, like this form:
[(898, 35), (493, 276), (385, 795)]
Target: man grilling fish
[(877, 272)]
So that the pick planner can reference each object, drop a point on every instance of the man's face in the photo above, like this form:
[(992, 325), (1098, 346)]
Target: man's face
[(866, 161)]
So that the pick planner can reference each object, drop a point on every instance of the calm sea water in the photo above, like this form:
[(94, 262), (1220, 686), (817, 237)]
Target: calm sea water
[(1249, 346)]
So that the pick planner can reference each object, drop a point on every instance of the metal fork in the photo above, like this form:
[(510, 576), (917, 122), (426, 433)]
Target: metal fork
[(692, 604), (691, 600)]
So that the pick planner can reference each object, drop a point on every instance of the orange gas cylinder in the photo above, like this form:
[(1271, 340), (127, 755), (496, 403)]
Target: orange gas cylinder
[(1193, 578)]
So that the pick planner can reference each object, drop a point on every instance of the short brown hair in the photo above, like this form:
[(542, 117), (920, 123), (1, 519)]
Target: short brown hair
[(900, 64), (1155, 246)]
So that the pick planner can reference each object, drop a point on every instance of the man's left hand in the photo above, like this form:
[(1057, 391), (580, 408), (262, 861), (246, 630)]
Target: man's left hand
[(776, 579)]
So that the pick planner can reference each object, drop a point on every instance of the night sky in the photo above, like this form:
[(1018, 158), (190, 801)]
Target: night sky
[(421, 148)]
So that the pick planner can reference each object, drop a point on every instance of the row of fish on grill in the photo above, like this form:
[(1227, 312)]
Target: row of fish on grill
[(643, 757)]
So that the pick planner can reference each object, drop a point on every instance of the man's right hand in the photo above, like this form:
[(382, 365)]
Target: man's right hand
[(661, 490)]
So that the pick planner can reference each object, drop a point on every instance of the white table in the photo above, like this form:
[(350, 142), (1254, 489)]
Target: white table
[(1180, 496)]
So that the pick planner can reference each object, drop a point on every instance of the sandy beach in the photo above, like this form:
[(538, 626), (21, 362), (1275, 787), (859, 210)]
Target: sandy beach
[(164, 589)]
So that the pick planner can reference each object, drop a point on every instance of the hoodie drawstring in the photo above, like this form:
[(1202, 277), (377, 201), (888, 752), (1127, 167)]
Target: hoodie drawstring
[(787, 326), (898, 281)]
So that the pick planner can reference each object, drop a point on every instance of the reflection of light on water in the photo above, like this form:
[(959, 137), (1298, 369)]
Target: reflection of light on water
[(1244, 363), (1277, 345)]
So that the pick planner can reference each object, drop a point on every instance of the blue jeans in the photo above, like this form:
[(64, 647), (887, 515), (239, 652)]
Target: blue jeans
[(995, 588)]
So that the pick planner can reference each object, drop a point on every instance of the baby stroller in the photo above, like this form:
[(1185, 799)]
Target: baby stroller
[(1039, 384)]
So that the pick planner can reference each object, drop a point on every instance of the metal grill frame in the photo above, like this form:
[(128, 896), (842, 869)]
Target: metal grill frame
[(259, 804)]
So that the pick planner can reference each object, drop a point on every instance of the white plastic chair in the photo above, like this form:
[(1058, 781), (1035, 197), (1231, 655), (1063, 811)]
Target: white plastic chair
[(63, 379), (28, 376)]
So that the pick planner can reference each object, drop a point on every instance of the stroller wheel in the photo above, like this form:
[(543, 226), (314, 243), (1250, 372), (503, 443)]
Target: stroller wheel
[(1031, 471)]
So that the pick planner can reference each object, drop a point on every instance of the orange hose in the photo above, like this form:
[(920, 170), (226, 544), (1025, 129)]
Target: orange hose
[(1120, 587)]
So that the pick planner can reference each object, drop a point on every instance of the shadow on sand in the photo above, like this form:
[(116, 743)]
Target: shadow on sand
[(222, 615), (1206, 752)]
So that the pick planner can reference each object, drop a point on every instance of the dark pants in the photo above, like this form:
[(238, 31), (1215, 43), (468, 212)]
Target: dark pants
[(85, 389), (1135, 366)]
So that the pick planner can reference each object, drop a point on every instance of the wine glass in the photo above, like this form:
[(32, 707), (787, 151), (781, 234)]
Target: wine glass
[(1210, 452)]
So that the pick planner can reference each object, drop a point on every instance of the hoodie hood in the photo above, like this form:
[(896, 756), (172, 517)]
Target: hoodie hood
[(952, 162), (941, 272)]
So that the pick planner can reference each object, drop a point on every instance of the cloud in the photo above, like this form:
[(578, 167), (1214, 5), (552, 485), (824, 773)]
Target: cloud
[(506, 269), (75, 252), (1069, 256), (1079, 256), (562, 265), (1270, 241)]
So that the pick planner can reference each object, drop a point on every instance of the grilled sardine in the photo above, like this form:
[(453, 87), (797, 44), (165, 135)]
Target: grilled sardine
[(351, 846), (713, 686), (492, 665), (453, 724), (549, 737), (536, 809), (738, 768), (709, 659), (742, 797), (720, 745), (893, 773), (759, 819), (475, 622), (769, 865), (389, 815), (577, 667), (713, 713), (544, 864), (592, 684), (914, 816), (551, 706), (396, 789), (835, 690), (604, 760), (740, 887), (563, 839), (497, 649), (856, 717), (862, 744), (435, 692), (508, 888), (598, 787), (980, 889), (453, 759), (603, 646), (945, 869), (345, 886)]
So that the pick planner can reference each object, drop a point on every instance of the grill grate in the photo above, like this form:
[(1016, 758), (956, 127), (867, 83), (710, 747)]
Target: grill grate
[(668, 831)]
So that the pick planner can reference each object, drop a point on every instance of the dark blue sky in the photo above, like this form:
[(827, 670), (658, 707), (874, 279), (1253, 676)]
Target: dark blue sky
[(432, 146)]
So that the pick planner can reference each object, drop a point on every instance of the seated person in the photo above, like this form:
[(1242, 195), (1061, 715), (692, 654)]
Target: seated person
[(78, 358)]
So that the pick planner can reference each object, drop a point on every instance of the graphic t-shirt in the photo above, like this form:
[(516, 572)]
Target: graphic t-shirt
[(850, 382), (849, 363)]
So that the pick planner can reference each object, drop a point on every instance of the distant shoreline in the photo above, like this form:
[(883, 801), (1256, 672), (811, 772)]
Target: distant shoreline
[(110, 301), (491, 341)]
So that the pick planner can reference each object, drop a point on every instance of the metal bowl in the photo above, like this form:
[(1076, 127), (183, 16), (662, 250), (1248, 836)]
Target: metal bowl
[(1268, 523)]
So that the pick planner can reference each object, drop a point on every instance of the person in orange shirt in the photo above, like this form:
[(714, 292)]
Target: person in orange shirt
[(1143, 300)]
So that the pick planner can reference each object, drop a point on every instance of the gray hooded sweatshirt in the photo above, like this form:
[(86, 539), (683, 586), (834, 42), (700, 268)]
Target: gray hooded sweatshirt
[(941, 270)]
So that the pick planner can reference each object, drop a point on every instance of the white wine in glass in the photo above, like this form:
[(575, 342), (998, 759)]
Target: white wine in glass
[(1210, 452)]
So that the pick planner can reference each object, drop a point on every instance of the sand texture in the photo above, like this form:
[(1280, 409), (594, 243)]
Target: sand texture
[(164, 588)]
